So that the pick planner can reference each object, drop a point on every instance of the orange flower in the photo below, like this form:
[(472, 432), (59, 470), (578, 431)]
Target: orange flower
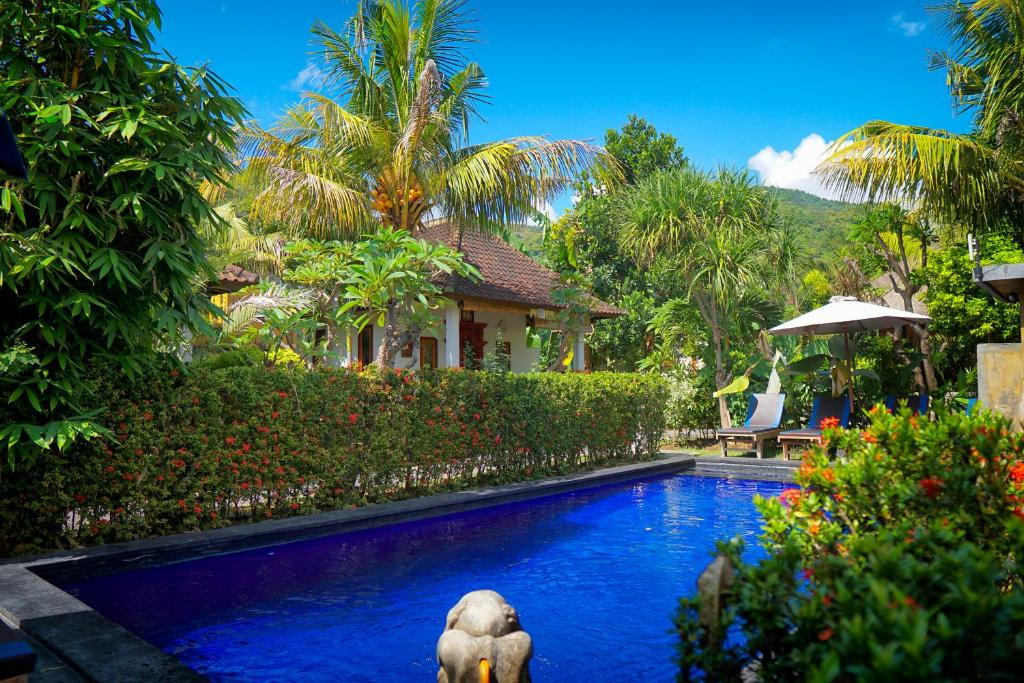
[(830, 423), (791, 496)]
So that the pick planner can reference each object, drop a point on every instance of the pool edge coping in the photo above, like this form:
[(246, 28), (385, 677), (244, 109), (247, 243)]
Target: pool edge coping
[(97, 648)]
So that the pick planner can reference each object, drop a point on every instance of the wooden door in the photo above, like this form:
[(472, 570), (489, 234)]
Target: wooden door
[(471, 334), (428, 352)]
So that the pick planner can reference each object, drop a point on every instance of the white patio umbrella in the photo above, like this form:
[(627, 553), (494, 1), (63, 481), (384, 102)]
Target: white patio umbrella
[(845, 315)]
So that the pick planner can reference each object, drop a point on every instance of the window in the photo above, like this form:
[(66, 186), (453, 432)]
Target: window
[(365, 348), (428, 352)]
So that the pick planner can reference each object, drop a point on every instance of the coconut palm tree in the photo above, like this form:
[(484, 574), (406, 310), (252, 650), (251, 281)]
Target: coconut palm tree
[(975, 179), (718, 230), (385, 140)]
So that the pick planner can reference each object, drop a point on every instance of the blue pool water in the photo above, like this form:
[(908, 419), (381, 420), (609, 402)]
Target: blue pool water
[(595, 576)]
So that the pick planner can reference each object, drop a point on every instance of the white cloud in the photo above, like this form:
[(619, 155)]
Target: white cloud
[(908, 28), (309, 77), (794, 170)]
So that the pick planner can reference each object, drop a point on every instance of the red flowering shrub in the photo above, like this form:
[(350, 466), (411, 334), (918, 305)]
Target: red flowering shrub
[(213, 447), (902, 560), (964, 472)]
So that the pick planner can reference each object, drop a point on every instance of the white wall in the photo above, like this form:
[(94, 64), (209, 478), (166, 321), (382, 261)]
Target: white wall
[(513, 326), (513, 329)]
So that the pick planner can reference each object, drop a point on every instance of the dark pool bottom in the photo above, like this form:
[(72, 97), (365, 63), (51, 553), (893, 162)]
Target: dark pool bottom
[(595, 575)]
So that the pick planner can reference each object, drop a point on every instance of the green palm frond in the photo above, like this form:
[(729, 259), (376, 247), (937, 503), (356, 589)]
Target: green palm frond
[(253, 309), (976, 179), (385, 140), (949, 175)]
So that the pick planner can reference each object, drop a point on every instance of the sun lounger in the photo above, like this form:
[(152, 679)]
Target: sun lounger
[(918, 404), (824, 407), (764, 417)]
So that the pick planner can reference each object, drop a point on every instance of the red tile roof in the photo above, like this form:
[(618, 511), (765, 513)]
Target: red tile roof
[(509, 275), (231, 279)]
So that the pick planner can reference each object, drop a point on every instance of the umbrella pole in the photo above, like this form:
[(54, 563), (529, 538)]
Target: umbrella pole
[(849, 359)]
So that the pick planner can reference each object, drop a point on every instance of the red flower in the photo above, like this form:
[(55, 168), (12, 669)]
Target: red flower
[(1017, 472), (353, 418), (147, 416), (830, 423), (246, 447), (79, 498), (931, 486), (198, 510), (195, 401), (275, 414), (181, 503), (283, 394), (791, 496), (826, 634), (294, 506), (230, 440)]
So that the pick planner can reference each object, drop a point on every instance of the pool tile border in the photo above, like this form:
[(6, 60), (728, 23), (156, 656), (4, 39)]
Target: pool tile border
[(100, 650)]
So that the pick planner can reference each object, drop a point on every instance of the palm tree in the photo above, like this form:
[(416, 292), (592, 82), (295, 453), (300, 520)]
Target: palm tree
[(975, 179), (386, 139), (718, 230)]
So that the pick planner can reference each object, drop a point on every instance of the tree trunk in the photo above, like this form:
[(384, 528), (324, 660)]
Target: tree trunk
[(563, 352), (721, 376)]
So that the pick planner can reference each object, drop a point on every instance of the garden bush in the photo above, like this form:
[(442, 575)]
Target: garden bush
[(901, 561), (213, 446)]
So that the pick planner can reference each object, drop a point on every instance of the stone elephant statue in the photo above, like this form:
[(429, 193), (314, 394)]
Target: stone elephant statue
[(483, 642)]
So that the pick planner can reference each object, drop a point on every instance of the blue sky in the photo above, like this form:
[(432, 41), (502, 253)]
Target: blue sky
[(756, 84)]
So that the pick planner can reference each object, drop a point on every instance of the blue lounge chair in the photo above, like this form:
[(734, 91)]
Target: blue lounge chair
[(764, 418), (918, 404), (824, 407)]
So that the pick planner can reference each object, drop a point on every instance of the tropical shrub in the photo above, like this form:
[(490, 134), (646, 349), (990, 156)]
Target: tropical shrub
[(102, 255), (217, 446), (900, 562), (964, 315), (691, 408)]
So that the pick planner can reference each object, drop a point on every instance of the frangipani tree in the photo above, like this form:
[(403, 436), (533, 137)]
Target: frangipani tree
[(975, 179), (395, 281), (718, 230), (385, 141)]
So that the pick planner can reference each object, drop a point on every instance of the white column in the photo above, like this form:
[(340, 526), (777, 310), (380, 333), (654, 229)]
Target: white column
[(451, 335), (349, 347), (579, 351)]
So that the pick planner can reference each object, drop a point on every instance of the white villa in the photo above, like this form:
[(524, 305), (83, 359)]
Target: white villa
[(515, 293)]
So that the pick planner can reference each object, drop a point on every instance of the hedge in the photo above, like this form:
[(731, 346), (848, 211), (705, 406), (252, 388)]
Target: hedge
[(212, 447)]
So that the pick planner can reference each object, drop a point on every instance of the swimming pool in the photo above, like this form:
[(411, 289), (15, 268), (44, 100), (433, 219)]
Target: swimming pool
[(595, 575)]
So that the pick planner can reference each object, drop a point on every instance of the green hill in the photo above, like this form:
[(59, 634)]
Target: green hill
[(822, 223)]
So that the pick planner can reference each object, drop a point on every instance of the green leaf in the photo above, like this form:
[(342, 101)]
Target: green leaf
[(737, 386), (804, 365), (127, 164)]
